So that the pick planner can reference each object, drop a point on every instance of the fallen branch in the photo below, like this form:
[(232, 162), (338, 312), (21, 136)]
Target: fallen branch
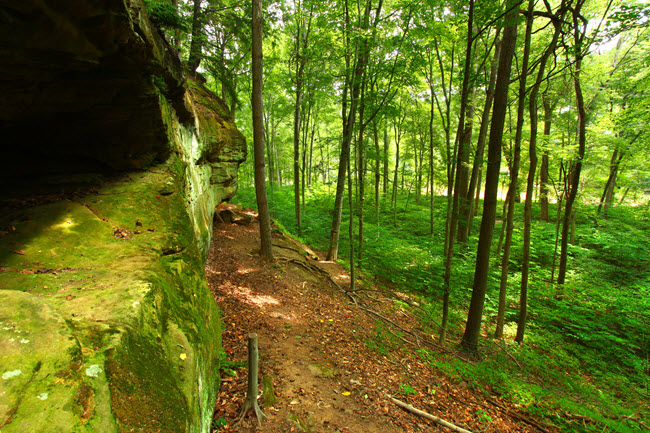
[(428, 416), (314, 268)]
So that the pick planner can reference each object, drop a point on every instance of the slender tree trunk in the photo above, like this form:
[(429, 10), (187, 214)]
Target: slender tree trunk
[(311, 143), (377, 172), (348, 121), (269, 156), (386, 149), (461, 176), (266, 249), (543, 171), (278, 178), (464, 201), (530, 184), (296, 136), (398, 134), (431, 146), (361, 170), (475, 313), (353, 82), (474, 183), (415, 175), (608, 192), (353, 278), (579, 34), (513, 191)]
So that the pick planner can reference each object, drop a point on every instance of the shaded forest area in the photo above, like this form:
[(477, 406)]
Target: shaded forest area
[(490, 158)]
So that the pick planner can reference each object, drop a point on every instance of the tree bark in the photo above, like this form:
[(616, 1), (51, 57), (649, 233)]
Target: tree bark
[(377, 170), (543, 175), (475, 313), (513, 190), (253, 373), (353, 83), (480, 147), (266, 248), (385, 155), (579, 30), (460, 184), (530, 184), (608, 192)]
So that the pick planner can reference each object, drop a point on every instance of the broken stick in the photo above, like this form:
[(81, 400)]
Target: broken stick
[(428, 416), (251, 393)]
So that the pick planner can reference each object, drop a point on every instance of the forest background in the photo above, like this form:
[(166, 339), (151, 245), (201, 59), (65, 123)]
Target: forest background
[(489, 159)]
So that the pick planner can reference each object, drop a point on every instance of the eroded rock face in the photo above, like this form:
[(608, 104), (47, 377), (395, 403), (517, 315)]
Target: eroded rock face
[(112, 165)]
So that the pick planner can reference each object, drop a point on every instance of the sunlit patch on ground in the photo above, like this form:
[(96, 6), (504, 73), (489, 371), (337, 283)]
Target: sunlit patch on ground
[(245, 271), (245, 294)]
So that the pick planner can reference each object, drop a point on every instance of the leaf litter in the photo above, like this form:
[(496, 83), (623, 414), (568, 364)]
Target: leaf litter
[(306, 324)]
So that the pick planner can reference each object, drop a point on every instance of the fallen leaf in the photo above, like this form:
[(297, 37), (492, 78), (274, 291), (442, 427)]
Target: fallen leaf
[(21, 252), (183, 356), (345, 393)]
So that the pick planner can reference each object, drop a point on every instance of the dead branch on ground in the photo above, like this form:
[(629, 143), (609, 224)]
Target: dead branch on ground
[(428, 416)]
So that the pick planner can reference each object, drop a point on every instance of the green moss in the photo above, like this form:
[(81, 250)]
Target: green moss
[(133, 303)]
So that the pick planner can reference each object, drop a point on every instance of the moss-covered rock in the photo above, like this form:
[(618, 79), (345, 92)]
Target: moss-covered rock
[(106, 320)]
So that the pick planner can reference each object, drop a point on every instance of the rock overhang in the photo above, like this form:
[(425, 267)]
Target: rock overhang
[(112, 166)]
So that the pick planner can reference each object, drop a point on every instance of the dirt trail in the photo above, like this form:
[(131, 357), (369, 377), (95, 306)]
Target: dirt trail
[(331, 364)]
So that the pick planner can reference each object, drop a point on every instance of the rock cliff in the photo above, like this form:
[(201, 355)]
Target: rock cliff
[(113, 163)]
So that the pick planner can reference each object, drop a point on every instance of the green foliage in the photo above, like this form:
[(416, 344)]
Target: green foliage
[(164, 14), (483, 416), (383, 339), (219, 423), (407, 389), (587, 343), (230, 367)]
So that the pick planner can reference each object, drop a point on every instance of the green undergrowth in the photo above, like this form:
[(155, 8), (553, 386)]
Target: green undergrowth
[(584, 365)]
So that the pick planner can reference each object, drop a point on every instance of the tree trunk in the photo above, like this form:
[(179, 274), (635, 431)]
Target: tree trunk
[(386, 149), (608, 192), (431, 146), (296, 135), (398, 134), (196, 44), (579, 35), (543, 171), (266, 249), (460, 185), (530, 184), (475, 313), (464, 201), (353, 82), (377, 173), (253, 373), (513, 190), (474, 183), (361, 170)]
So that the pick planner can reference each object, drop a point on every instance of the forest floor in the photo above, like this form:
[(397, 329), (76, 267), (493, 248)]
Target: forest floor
[(333, 357)]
